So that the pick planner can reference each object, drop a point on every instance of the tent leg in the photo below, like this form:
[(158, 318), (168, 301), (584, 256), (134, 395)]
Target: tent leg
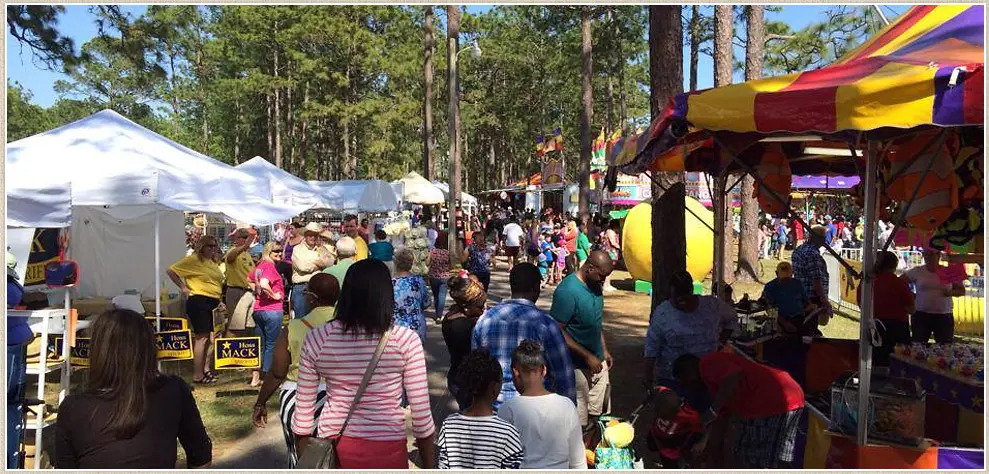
[(158, 273), (866, 323)]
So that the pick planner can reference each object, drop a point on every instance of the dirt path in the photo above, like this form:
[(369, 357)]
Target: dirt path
[(625, 322)]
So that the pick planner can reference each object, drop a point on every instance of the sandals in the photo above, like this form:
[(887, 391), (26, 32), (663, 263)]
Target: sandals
[(208, 379)]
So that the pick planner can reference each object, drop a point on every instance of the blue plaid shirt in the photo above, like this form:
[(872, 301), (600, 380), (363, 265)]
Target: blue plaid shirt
[(504, 326), (808, 266)]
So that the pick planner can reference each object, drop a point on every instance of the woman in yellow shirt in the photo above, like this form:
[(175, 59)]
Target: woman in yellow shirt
[(198, 276)]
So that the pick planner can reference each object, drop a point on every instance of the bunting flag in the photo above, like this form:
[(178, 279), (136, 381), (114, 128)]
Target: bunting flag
[(558, 139), (540, 145), (598, 152)]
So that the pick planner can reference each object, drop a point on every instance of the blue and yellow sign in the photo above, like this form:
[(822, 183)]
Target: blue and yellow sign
[(238, 352), (79, 355), (169, 324), (174, 345)]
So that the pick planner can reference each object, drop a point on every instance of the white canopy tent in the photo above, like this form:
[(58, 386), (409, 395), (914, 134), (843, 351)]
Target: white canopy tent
[(465, 198), (357, 196), (111, 179), (418, 190), (286, 188)]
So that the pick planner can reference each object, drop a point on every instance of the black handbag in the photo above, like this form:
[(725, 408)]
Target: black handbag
[(322, 453)]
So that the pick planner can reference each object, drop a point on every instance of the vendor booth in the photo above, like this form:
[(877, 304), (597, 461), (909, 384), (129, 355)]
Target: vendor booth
[(903, 112), (286, 188), (117, 192), (467, 201), (372, 195), (418, 190)]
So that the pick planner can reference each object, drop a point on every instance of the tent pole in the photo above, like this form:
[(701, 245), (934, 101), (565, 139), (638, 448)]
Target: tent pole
[(157, 270), (868, 266)]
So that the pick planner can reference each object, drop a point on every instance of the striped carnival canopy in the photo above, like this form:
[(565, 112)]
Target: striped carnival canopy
[(924, 70)]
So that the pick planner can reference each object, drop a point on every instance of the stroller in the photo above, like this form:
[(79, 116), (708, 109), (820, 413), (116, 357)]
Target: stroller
[(608, 443)]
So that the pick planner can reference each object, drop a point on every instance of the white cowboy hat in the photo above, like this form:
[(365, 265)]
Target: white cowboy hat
[(313, 227)]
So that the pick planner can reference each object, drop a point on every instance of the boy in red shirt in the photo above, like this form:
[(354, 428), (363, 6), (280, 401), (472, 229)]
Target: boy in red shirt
[(767, 403), (677, 427)]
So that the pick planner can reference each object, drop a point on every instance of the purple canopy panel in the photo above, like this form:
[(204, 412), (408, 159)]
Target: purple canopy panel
[(824, 182)]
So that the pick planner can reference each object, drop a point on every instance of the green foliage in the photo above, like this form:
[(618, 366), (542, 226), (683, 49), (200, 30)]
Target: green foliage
[(35, 26), (208, 77), (821, 43)]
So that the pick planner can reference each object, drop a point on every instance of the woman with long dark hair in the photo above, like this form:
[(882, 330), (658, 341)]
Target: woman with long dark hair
[(129, 415), (198, 276), (339, 352)]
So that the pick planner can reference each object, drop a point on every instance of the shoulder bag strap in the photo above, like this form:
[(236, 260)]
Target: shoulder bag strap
[(367, 378), (307, 323)]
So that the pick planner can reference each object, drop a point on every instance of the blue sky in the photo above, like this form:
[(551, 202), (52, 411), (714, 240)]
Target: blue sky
[(78, 24)]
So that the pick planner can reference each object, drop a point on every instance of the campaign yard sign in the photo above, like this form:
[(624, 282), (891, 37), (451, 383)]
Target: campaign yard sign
[(174, 345), (238, 352)]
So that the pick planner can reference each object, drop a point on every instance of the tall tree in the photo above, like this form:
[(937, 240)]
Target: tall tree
[(587, 114), (452, 41), (749, 268), (723, 66), (35, 26), (429, 170), (695, 43), (669, 244)]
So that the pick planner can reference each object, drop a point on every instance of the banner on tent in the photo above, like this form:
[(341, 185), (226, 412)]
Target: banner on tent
[(44, 249), (238, 352), (174, 345), (552, 171)]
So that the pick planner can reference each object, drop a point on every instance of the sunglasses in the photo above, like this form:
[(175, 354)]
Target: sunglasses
[(276, 251)]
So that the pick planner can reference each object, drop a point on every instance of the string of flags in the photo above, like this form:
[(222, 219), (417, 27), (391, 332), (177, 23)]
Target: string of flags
[(552, 143)]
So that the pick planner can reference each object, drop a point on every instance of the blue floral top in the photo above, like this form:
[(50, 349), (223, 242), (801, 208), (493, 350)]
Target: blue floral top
[(412, 297), (477, 260)]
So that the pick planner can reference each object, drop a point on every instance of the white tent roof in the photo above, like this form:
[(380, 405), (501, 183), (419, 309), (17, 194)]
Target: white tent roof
[(42, 200), (286, 188), (110, 161), (420, 191), (464, 197), (358, 195)]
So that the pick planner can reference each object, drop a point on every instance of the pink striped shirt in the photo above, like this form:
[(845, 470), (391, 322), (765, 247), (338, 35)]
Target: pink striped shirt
[(341, 360)]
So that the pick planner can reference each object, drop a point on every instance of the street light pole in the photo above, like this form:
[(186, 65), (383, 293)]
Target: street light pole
[(453, 40)]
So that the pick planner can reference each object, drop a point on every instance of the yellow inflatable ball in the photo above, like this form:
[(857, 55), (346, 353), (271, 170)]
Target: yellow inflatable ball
[(637, 241)]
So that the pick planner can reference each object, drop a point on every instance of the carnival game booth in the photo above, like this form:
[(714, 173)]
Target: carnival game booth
[(823, 195), (908, 107), (117, 192)]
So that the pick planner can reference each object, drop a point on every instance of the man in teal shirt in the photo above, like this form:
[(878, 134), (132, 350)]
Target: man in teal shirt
[(346, 250), (578, 306), (583, 245)]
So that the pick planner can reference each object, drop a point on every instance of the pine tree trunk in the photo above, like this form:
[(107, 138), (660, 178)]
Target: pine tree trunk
[(290, 163), (669, 243), (237, 132), (304, 139), (587, 100), (695, 43), (723, 63), (270, 127), (428, 158), (749, 268), (453, 39), (278, 118)]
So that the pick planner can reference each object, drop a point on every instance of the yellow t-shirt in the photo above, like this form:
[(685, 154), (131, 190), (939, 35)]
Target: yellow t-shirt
[(297, 331), (203, 277), (362, 252), (240, 270)]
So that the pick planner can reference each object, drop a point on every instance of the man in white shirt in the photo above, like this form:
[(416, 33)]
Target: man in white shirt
[(547, 422), (935, 286), (513, 242)]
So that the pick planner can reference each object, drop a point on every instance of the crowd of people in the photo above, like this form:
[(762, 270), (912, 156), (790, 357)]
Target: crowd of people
[(528, 383)]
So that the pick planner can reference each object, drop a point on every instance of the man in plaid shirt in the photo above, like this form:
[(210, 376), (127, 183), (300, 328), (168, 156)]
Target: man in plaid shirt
[(504, 326), (809, 268)]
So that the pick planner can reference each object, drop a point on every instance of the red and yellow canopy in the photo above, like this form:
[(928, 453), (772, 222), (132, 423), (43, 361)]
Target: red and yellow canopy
[(924, 69)]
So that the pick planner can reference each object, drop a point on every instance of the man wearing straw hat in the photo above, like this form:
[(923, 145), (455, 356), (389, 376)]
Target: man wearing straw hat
[(307, 260), (239, 266)]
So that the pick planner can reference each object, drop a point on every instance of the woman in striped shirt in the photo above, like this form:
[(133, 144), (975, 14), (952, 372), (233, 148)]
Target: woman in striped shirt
[(339, 352)]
